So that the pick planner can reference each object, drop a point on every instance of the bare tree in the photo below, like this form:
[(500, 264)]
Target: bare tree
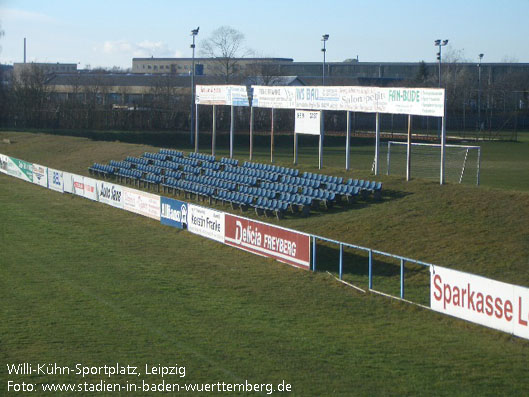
[(226, 47)]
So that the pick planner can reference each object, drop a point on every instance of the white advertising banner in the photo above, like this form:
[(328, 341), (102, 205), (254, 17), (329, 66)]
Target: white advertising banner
[(78, 185), (110, 194), (274, 97), (67, 179), (415, 101), (40, 175), (212, 95), (3, 163), (55, 180), (141, 203), (491, 303), (235, 95), (308, 122), (90, 188), (205, 222)]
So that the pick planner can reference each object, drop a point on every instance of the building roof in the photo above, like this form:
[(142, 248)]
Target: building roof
[(129, 79), (206, 59)]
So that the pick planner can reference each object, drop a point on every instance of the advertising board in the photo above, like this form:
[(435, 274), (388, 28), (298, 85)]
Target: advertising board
[(90, 188), (109, 193), (40, 175), (17, 168), (491, 303), (67, 179), (55, 180), (307, 122), (205, 222), (415, 101), (173, 212), (78, 185), (141, 203), (285, 245)]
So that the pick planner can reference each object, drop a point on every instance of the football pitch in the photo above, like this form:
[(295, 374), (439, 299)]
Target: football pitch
[(83, 283)]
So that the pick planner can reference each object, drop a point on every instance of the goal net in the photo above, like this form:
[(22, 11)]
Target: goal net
[(462, 163)]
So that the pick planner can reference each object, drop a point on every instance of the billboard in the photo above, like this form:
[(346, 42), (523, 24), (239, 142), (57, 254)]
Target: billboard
[(285, 245), (142, 203), (55, 180), (78, 185), (90, 188), (415, 101), (235, 95), (68, 182), (17, 168), (109, 193), (483, 301), (173, 212), (307, 122), (40, 175), (205, 222)]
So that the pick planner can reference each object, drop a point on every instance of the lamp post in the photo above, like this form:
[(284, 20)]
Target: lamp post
[(479, 91), (194, 33), (439, 43), (324, 38)]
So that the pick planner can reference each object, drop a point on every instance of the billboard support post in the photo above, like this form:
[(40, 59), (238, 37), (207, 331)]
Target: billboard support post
[(348, 142), (232, 121), (214, 131), (272, 136), (196, 128), (251, 132), (408, 151), (377, 141)]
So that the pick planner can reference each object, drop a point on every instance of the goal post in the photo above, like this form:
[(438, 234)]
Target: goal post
[(461, 161)]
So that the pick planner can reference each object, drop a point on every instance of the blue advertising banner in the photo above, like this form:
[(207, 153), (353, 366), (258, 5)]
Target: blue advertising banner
[(173, 212)]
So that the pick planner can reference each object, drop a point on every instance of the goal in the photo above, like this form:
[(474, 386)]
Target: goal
[(462, 163)]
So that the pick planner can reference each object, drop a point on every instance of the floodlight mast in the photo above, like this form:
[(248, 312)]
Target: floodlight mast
[(325, 37), (479, 91), (194, 33)]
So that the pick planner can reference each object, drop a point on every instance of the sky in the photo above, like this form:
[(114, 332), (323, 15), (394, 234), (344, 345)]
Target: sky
[(110, 33)]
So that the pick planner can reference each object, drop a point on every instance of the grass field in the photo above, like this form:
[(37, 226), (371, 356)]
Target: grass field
[(81, 282)]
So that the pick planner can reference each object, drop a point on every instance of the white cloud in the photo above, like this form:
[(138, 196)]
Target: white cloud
[(17, 15), (142, 49)]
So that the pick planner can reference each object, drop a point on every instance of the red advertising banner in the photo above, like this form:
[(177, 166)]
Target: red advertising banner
[(267, 240)]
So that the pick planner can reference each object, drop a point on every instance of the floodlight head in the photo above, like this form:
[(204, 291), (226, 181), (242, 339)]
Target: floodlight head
[(445, 42), (481, 56), (325, 37), (437, 42), (194, 32)]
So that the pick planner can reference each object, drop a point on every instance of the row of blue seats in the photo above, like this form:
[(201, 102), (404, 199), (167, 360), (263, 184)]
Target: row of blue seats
[(120, 164), (152, 178), (318, 194), (367, 185), (209, 181), (297, 199), (271, 168), (239, 179), (189, 169), (323, 178), (344, 190), (135, 174), (149, 168), (211, 165), (262, 175), (192, 187), (280, 187), (272, 205), (105, 169), (173, 174), (171, 152), (257, 191), (234, 197), (155, 156), (299, 181), (137, 160), (202, 156), (232, 162)]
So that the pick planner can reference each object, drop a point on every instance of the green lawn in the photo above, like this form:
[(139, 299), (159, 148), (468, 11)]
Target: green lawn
[(82, 282)]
